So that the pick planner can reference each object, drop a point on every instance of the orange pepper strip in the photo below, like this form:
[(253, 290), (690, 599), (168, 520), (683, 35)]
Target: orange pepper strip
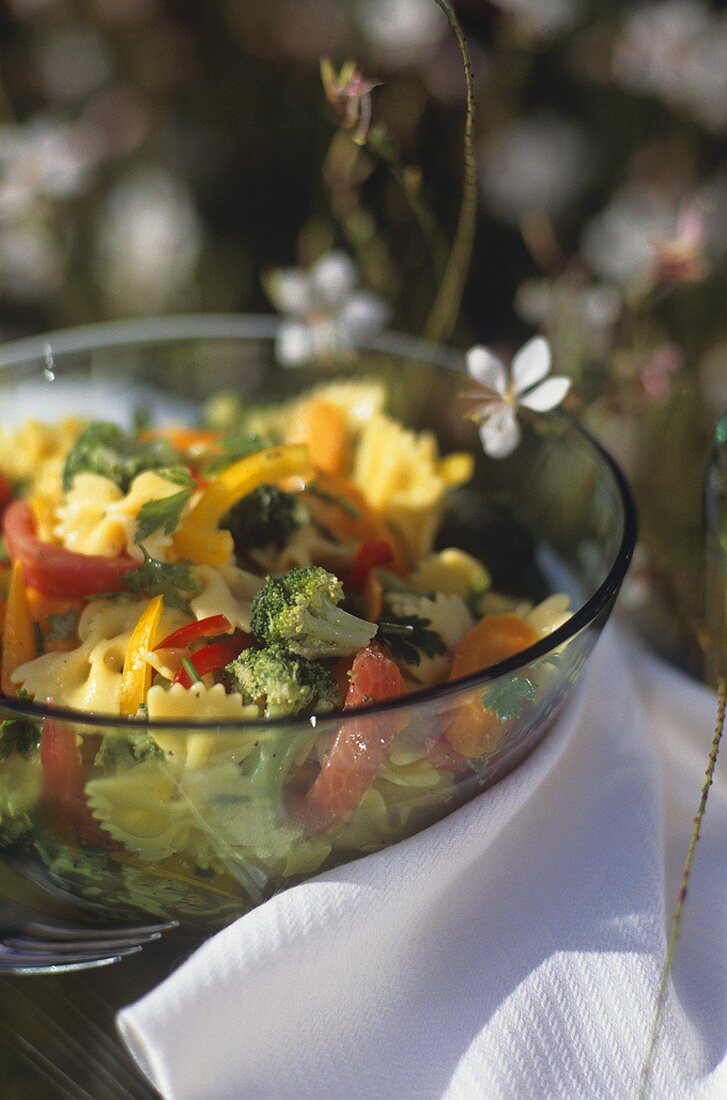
[(136, 677), (197, 539), (4, 585), (352, 521), (325, 429), (19, 636), (474, 730)]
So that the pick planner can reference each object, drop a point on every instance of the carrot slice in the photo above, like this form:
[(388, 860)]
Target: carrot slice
[(324, 428), (183, 438), (474, 730)]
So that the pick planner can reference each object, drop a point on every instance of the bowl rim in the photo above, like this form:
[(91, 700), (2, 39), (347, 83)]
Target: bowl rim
[(234, 326)]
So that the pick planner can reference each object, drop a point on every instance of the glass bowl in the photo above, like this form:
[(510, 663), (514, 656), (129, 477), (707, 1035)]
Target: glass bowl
[(214, 828)]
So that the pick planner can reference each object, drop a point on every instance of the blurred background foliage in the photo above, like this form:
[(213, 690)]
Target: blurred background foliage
[(158, 156)]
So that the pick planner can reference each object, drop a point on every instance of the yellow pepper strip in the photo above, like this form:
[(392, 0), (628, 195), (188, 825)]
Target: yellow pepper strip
[(136, 677), (456, 469), (19, 643), (198, 539)]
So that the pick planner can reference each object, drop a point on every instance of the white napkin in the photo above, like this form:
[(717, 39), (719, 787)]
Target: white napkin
[(512, 950)]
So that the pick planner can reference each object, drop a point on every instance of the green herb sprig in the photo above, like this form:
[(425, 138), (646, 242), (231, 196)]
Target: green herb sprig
[(175, 582), (165, 513), (507, 699), (408, 636), (234, 447), (61, 625), (19, 735)]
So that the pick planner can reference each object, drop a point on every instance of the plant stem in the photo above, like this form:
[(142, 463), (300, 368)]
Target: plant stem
[(379, 144), (678, 914), (445, 309)]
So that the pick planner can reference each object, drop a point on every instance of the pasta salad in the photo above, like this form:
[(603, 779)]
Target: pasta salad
[(275, 563)]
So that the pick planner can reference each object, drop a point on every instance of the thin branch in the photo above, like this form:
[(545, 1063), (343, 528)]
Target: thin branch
[(445, 310), (678, 914)]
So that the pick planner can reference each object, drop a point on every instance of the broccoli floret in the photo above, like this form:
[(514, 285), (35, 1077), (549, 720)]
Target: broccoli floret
[(266, 517), (300, 612), (104, 448), (281, 683)]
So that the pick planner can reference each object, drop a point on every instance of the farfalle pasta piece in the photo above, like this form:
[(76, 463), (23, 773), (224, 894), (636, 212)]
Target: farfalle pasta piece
[(138, 809), (215, 817), (228, 591), (551, 613), (89, 677), (404, 478), (33, 453), (97, 518), (193, 750), (452, 571), (83, 524)]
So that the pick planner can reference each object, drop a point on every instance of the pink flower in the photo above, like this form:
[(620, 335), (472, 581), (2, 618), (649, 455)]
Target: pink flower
[(349, 93), (657, 371), (680, 259)]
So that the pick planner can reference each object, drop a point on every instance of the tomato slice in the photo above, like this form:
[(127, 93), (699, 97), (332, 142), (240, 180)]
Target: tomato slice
[(55, 571), (63, 783), (6, 493), (214, 656), (371, 553), (203, 628), (375, 677), (362, 744)]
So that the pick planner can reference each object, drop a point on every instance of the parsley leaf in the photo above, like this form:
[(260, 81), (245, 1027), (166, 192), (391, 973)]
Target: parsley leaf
[(234, 447), (18, 735), (406, 635), (159, 578), (507, 699), (178, 475), (63, 624), (165, 512), (104, 448)]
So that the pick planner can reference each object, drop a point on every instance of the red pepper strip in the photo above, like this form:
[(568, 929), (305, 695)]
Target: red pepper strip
[(63, 783), (369, 554), (214, 656), (53, 570), (203, 628)]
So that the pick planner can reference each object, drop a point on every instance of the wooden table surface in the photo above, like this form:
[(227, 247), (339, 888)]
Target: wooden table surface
[(57, 1032)]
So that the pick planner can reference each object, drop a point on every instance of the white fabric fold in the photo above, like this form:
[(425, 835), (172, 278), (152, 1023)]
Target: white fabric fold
[(512, 950)]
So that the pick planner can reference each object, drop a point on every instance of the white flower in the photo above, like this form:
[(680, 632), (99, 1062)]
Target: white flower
[(149, 242), (676, 50), (618, 243), (42, 159), (537, 164), (324, 313), (578, 317), (526, 387), (539, 19), (401, 32)]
